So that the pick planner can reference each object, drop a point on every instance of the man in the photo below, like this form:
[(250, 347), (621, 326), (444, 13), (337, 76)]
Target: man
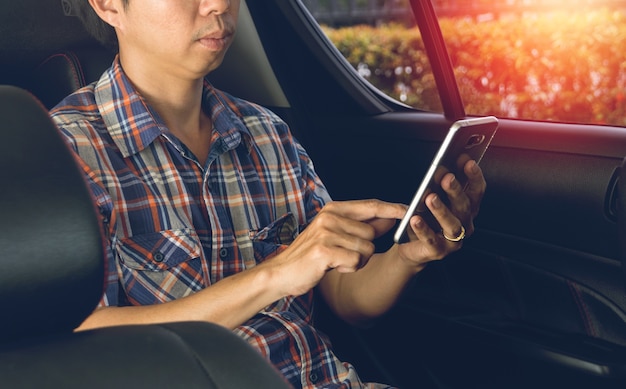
[(205, 198)]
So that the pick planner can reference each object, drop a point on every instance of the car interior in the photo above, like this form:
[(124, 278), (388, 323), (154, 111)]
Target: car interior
[(536, 297)]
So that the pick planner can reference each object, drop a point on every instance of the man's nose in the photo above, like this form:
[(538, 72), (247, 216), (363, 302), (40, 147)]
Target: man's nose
[(217, 7)]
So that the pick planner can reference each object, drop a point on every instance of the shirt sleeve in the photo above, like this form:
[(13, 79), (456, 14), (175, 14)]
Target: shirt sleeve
[(315, 193), (104, 206)]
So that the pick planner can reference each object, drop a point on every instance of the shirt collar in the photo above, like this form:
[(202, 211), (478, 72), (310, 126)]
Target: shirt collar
[(134, 125)]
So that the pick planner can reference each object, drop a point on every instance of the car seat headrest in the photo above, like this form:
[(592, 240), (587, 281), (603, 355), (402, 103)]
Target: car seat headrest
[(67, 71), (51, 250)]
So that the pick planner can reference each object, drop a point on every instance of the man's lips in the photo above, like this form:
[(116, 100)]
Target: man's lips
[(218, 40)]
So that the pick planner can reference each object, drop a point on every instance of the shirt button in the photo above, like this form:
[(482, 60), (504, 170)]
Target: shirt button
[(223, 253), (313, 377), (159, 257)]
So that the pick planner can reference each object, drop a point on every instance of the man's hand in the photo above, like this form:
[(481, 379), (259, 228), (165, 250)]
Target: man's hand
[(456, 220), (340, 237)]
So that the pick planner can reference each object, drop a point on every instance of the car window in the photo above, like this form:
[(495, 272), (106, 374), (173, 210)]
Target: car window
[(380, 40), (555, 60), (532, 59)]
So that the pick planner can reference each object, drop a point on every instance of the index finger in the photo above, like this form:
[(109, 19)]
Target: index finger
[(364, 210)]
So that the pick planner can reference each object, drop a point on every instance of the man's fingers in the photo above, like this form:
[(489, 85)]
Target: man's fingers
[(340, 225), (380, 216), (476, 184), (365, 210)]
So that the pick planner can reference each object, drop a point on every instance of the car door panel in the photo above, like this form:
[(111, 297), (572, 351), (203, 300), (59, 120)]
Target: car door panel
[(541, 280)]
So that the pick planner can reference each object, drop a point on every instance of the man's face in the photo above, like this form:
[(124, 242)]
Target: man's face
[(181, 37)]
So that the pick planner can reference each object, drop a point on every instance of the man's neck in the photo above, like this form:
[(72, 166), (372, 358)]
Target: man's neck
[(177, 98), (178, 101)]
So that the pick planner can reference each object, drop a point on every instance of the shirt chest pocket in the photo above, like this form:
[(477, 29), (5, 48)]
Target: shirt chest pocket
[(161, 266), (269, 240)]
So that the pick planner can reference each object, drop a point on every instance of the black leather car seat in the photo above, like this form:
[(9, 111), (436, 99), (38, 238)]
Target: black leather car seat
[(52, 278), (64, 72)]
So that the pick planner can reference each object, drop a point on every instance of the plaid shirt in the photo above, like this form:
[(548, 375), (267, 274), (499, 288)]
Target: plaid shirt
[(175, 227)]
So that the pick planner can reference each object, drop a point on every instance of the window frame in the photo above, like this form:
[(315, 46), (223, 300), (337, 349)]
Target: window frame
[(449, 92), (369, 97)]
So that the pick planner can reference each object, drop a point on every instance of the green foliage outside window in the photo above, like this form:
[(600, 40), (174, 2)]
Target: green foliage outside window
[(558, 66), (393, 59)]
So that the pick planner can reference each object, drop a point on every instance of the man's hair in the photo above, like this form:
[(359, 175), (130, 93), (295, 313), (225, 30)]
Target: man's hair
[(98, 28)]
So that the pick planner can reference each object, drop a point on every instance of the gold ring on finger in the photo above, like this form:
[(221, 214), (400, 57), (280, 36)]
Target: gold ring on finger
[(457, 238)]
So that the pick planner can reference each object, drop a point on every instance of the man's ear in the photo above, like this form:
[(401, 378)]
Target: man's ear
[(108, 10)]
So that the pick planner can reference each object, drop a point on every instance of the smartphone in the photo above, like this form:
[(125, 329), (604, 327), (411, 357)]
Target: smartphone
[(466, 139)]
